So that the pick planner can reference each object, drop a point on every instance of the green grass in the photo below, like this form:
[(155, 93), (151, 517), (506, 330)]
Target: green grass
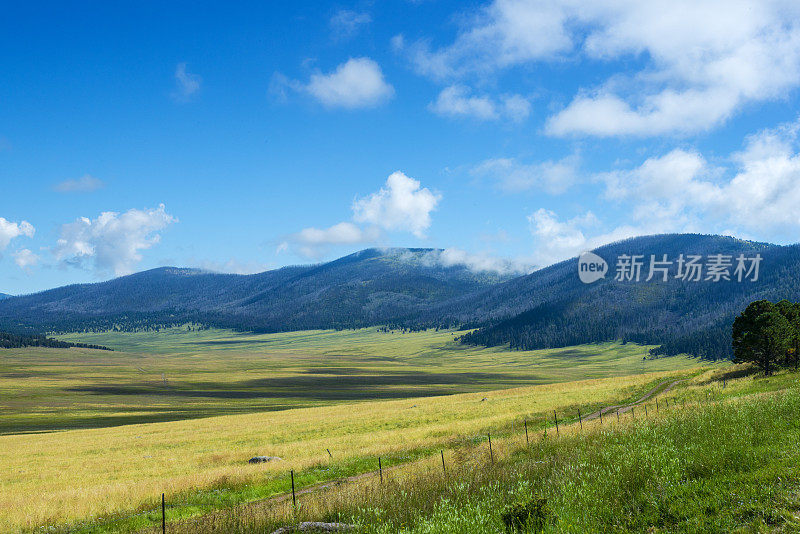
[(723, 465), (179, 374)]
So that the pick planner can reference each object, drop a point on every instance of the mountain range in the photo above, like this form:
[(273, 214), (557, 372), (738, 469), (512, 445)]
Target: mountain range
[(374, 286), (416, 288)]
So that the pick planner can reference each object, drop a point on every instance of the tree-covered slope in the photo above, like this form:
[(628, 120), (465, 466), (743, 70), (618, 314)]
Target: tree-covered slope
[(553, 308)]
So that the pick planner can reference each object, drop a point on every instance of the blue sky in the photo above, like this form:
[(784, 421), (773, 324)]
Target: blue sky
[(244, 137)]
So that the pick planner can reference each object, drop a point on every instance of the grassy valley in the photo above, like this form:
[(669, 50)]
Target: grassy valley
[(178, 374), (684, 445)]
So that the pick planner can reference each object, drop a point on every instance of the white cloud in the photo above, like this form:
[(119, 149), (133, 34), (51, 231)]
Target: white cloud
[(698, 62), (186, 84), (456, 101), (402, 205), (684, 187), (755, 194), (504, 33), (11, 230), (344, 233), (397, 42), (481, 262), (113, 241), (314, 242), (558, 240), (232, 266), (84, 184), (25, 259), (357, 83), (346, 23), (554, 177)]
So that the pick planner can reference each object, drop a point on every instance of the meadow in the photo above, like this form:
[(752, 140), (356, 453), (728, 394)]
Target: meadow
[(182, 373), (305, 406), (716, 454)]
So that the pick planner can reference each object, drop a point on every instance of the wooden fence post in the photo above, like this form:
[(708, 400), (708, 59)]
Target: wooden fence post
[(527, 442), (380, 469), (555, 417), (580, 419), (491, 453), (163, 515), (617, 415), (444, 470), (601, 417), (294, 497)]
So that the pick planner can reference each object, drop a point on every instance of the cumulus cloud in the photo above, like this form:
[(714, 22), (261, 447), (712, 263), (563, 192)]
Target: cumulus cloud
[(699, 61), (456, 101), (113, 241), (403, 204), (755, 195), (346, 23), (758, 193), (25, 259), (557, 239), (554, 177), (186, 83), (504, 33), (10, 230), (85, 184), (357, 83), (314, 242)]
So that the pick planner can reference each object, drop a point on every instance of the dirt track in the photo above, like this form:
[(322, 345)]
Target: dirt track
[(644, 398)]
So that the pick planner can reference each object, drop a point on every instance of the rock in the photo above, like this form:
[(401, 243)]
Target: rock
[(262, 459), (314, 526)]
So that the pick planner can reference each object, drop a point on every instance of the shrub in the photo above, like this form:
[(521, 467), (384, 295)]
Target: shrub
[(531, 515)]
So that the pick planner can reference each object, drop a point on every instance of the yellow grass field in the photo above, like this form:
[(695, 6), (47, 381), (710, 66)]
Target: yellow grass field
[(63, 477), (179, 373)]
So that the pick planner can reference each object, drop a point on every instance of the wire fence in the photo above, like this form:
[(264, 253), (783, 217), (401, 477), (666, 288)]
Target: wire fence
[(550, 427)]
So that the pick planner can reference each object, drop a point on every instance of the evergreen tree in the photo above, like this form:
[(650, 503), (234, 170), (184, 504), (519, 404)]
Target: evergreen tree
[(762, 335)]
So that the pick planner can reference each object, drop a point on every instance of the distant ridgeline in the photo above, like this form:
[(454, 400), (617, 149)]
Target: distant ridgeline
[(413, 289), (16, 341)]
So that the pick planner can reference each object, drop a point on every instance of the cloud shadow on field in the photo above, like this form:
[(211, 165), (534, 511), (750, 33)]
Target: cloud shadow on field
[(337, 385)]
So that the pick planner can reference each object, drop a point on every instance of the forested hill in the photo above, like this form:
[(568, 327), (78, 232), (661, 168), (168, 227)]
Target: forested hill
[(553, 308), (413, 288), (374, 286), (4, 296)]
